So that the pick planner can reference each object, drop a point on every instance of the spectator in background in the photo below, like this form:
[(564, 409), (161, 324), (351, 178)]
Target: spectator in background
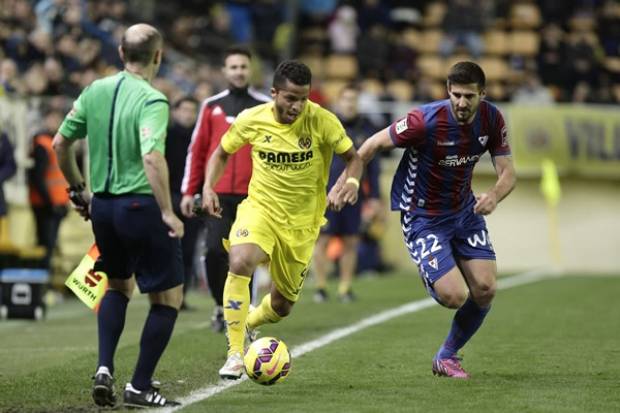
[(184, 113), (463, 25), (7, 170), (216, 115), (582, 52), (373, 51), (343, 30), (346, 222), (531, 91), (552, 55), (47, 186), (9, 81)]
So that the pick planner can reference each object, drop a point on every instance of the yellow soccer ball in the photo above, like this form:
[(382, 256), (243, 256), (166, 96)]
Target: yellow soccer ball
[(267, 361)]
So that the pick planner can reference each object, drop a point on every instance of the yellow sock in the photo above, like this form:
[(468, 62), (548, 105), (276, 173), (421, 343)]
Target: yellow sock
[(344, 287), (263, 314), (236, 304)]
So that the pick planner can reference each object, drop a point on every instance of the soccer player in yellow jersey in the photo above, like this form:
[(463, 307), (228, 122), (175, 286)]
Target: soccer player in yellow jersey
[(292, 142)]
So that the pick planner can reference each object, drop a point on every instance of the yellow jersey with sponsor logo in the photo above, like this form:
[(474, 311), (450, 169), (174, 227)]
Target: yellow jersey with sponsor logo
[(290, 162)]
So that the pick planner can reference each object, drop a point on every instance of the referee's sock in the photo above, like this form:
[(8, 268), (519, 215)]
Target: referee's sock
[(155, 336), (236, 305), (263, 314), (110, 322)]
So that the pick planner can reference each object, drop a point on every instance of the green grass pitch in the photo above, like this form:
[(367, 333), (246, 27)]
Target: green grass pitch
[(548, 346)]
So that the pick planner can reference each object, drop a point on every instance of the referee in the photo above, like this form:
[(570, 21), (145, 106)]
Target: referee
[(124, 120)]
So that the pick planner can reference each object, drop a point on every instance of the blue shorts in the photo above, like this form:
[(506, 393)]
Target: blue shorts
[(435, 242), (344, 222), (132, 238)]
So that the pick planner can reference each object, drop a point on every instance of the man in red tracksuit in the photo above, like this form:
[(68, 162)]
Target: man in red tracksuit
[(216, 115)]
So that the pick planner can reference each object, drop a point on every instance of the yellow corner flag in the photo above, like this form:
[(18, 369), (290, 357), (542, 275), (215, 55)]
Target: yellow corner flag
[(550, 188), (550, 183), (88, 285)]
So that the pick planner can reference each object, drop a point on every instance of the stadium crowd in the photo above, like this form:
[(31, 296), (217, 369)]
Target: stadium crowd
[(540, 51), (544, 50)]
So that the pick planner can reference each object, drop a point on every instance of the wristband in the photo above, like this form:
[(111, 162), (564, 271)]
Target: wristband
[(354, 181)]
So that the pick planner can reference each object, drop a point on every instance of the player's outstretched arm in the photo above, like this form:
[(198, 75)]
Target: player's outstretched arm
[(486, 202), (215, 169), (377, 142)]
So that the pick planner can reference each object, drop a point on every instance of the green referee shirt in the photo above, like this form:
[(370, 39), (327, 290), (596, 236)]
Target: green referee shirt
[(123, 118)]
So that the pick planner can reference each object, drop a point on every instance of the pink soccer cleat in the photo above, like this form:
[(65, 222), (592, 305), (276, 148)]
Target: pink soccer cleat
[(450, 367)]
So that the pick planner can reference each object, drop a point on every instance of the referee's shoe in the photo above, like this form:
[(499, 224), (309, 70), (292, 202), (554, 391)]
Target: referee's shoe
[(103, 389), (133, 398)]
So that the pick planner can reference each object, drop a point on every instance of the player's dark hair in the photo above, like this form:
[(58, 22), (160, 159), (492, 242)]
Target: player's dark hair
[(237, 49), (142, 49), (293, 71), (184, 99), (464, 73)]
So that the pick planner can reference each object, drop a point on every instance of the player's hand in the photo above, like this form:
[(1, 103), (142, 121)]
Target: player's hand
[(347, 195), (177, 230), (332, 198), (485, 203), (187, 206), (81, 201), (211, 202)]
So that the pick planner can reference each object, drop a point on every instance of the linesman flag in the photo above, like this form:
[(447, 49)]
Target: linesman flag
[(87, 284)]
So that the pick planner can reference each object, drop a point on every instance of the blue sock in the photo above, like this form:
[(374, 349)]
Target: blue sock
[(110, 322), (155, 336), (466, 322)]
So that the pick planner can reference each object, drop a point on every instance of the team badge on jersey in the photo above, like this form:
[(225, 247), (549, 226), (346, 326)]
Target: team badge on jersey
[(432, 261), (305, 142), (242, 233), (483, 140)]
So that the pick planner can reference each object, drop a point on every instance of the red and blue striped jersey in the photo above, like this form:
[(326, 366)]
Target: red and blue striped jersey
[(434, 175)]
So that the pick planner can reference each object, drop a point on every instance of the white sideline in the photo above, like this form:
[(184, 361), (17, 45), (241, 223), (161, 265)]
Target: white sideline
[(412, 307)]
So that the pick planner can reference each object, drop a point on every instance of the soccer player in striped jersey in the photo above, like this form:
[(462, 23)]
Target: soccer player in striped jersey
[(442, 220)]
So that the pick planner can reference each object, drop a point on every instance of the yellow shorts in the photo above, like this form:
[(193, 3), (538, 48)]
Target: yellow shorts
[(289, 250)]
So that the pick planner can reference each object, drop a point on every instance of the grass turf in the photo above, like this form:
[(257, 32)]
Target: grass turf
[(546, 347)]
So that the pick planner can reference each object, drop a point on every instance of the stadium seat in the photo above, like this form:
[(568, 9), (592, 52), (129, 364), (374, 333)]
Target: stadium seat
[(496, 43), (612, 64), (338, 66), (401, 90), (431, 65), (429, 41), (438, 90), (496, 69), (373, 86), (315, 63), (435, 13), (524, 42), (412, 38), (525, 16), (331, 89)]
